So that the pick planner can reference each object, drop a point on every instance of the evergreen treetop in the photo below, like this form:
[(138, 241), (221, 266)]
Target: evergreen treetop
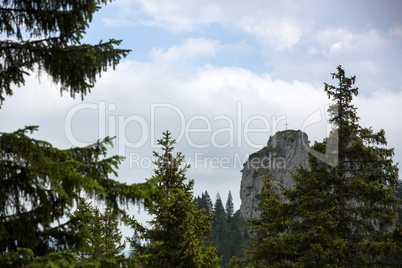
[(340, 213), (176, 236), (40, 184), (208, 203), (220, 214), (99, 240), (229, 208)]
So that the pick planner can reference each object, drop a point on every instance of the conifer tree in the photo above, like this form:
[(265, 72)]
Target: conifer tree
[(201, 203), (221, 235), (220, 215), (107, 243), (82, 223), (100, 240), (208, 203), (235, 262), (205, 202), (342, 208), (46, 36), (176, 236), (229, 207), (40, 183)]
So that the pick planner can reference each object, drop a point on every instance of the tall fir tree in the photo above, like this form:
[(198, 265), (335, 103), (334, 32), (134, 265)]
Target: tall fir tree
[(229, 207), (99, 238), (220, 214), (221, 235), (177, 233), (39, 182), (208, 203), (342, 208), (204, 202), (111, 244)]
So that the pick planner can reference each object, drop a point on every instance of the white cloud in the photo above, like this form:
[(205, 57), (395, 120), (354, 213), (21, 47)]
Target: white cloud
[(216, 89), (395, 31), (180, 15), (190, 48), (381, 110), (276, 24), (278, 34), (335, 41)]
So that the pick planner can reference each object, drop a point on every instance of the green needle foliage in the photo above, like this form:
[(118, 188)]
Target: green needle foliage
[(342, 210), (229, 235), (176, 235), (46, 36), (100, 239), (40, 184), (229, 208), (205, 202)]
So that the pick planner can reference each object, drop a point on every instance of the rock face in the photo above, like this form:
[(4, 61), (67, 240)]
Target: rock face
[(284, 151)]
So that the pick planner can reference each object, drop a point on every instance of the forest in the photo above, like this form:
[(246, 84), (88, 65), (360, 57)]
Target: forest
[(343, 211)]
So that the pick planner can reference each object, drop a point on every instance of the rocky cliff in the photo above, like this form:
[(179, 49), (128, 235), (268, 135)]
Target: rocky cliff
[(284, 151)]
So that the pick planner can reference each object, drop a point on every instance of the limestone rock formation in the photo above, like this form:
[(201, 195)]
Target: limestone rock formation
[(283, 152)]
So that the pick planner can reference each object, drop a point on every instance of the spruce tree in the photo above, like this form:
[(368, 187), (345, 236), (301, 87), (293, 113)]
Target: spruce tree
[(235, 262), (229, 208), (221, 235), (100, 240), (208, 203), (220, 215), (342, 208), (177, 233), (201, 203), (205, 202), (40, 183), (46, 36)]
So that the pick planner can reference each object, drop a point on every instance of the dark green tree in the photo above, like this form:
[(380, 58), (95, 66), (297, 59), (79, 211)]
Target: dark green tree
[(220, 215), (177, 233), (101, 240), (230, 236), (241, 240), (205, 202), (82, 224), (40, 183), (342, 208), (112, 243), (398, 189), (229, 208), (46, 36), (208, 203), (221, 235), (201, 204), (235, 263)]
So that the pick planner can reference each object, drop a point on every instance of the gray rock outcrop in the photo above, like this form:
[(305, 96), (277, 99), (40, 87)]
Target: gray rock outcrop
[(283, 152)]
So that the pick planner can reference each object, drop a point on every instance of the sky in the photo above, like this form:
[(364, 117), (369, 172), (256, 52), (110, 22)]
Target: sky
[(222, 76)]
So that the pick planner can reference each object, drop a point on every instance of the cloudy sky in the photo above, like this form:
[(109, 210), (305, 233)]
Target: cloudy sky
[(222, 76)]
